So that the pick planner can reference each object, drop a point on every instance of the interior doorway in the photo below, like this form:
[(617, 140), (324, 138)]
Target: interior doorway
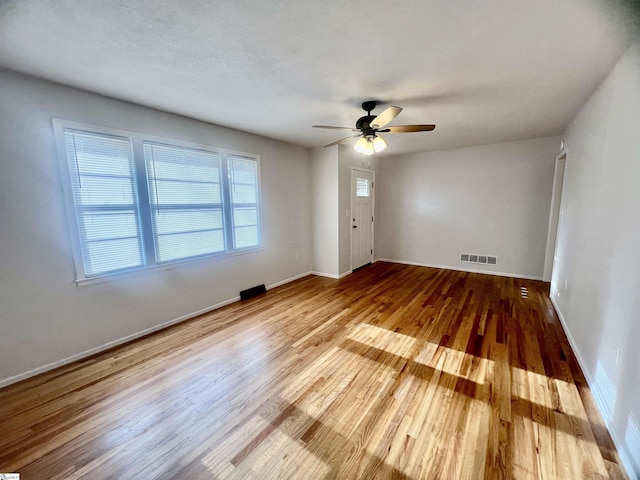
[(554, 216), (362, 197)]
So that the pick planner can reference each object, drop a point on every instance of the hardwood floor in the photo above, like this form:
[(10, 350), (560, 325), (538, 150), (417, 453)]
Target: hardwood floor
[(392, 372)]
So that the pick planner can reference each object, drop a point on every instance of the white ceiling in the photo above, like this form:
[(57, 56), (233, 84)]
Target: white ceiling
[(484, 71)]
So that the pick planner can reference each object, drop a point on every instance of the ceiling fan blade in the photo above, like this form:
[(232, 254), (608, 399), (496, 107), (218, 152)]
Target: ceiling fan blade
[(385, 117), (335, 128), (408, 128), (341, 140)]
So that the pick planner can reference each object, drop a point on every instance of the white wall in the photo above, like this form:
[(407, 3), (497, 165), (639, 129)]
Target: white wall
[(490, 199), (44, 316), (596, 280), (324, 191)]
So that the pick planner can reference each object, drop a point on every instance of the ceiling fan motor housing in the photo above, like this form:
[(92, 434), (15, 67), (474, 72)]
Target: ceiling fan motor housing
[(364, 122)]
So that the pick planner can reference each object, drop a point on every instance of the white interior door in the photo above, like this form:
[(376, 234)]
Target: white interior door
[(361, 217)]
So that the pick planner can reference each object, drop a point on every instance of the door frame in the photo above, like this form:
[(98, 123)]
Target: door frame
[(373, 210), (555, 214)]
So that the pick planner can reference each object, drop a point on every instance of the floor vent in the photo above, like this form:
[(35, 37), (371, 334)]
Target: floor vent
[(524, 293), (252, 292), (480, 259)]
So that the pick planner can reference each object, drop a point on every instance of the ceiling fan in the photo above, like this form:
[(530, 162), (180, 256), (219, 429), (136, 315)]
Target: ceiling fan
[(369, 128)]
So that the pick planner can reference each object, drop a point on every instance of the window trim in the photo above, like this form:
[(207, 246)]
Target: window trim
[(137, 141)]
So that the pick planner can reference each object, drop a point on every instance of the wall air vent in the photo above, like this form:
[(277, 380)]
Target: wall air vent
[(479, 259)]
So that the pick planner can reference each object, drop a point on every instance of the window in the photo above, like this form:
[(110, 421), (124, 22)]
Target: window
[(243, 177), (362, 187), (102, 179), (186, 202), (141, 202)]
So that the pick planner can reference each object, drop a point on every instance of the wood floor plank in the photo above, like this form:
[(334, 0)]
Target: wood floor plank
[(395, 371)]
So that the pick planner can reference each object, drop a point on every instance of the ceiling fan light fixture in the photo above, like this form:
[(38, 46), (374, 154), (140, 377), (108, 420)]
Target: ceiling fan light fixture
[(370, 145), (379, 143), (364, 146)]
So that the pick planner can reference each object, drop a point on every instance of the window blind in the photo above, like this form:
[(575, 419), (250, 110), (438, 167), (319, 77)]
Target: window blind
[(138, 202), (185, 197), (104, 193), (243, 184)]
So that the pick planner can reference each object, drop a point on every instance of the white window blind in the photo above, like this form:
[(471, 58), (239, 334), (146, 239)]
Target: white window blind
[(243, 183), (185, 196), (104, 193)]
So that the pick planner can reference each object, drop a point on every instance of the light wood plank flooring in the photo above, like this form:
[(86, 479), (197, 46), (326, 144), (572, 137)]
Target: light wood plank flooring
[(392, 372)]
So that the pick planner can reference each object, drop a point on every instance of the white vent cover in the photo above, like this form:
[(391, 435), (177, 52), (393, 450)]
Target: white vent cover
[(480, 259)]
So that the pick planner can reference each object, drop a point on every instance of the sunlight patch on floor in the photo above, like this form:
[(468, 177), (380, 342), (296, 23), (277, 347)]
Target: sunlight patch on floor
[(382, 339), (279, 456), (276, 456)]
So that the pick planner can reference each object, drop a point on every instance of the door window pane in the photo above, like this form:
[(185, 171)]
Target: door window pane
[(362, 187)]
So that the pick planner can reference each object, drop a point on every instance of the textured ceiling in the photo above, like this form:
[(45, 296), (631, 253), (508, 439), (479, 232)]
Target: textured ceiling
[(483, 71)]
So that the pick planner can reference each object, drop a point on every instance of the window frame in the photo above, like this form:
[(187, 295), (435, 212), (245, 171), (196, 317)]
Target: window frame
[(143, 202)]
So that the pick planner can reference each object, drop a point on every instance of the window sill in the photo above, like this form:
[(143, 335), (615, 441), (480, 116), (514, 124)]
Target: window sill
[(81, 282)]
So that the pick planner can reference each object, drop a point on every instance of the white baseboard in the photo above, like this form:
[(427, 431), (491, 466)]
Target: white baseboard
[(128, 338), (599, 396), (288, 280), (332, 275), (328, 275), (449, 267)]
